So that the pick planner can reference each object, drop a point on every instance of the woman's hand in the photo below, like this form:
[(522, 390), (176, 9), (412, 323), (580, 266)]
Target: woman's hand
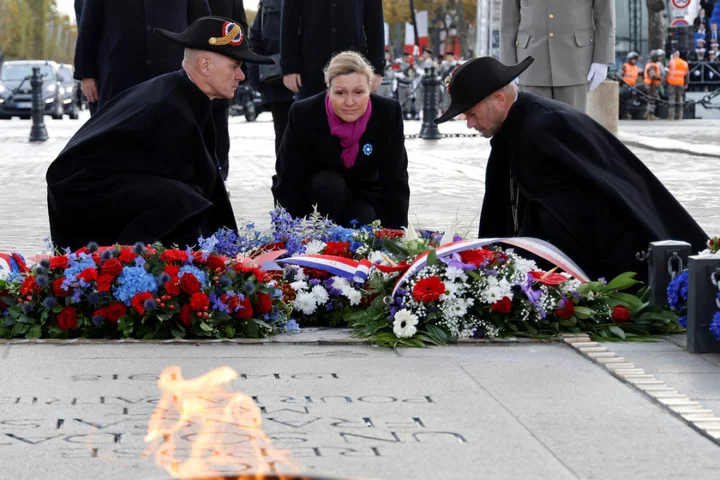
[(292, 82)]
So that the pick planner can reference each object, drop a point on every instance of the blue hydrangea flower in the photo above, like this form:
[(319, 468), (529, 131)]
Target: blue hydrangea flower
[(715, 325), (683, 321), (677, 292), (292, 326), (134, 280)]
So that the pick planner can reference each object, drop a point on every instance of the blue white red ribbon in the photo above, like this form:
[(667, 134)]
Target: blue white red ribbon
[(358, 271)]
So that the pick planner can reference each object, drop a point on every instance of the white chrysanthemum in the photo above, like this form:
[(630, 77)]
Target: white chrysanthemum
[(452, 290), (305, 303), (454, 273), (299, 285), (320, 294), (495, 289), (314, 246), (404, 324), (347, 290), (455, 307)]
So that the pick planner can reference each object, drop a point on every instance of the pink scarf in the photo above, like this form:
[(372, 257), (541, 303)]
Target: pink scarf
[(348, 133)]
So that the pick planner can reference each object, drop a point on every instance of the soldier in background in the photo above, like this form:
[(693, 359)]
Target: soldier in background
[(652, 76), (572, 45)]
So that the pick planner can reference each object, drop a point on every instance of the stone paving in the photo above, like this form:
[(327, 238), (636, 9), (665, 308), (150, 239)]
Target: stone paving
[(446, 176)]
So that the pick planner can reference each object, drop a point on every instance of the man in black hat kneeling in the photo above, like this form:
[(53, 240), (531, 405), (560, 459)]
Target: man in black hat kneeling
[(144, 168), (556, 174)]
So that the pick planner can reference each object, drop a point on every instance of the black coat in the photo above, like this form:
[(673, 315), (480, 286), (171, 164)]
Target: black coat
[(307, 148), (117, 47), (139, 169), (265, 40), (314, 30), (581, 190)]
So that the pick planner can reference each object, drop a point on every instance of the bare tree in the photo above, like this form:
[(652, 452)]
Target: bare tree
[(656, 24)]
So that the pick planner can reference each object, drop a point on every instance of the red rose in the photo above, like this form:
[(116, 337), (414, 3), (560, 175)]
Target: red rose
[(215, 262), (29, 286), (115, 311), (58, 289), (67, 319), (428, 289), (566, 312), (190, 284), (197, 258), (139, 300), (246, 311), (169, 256), (172, 270), (199, 301), (621, 314), (339, 249), (476, 257), (186, 315), (104, 282), (59, 262), (111, 267), (264, 303), (240, 268), (503, 306), (101, 312), (127, 256), (172, 288), (89, 274)]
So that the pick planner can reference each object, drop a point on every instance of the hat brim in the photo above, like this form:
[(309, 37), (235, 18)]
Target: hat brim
[(457, 108), (247, 56)]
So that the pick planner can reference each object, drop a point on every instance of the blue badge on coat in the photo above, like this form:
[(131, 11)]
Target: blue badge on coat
[(367, 149)]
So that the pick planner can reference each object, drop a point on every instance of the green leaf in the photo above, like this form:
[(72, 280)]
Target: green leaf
[(25, 319), (34, 332), (177, 333), (631, 301), (164, 317), (583, 312), (432, 259), (205, 327), (15, 312), (229, 331), (621, 282), (20, 329), (57, 309), (9, 301), (568, 323), (394, 248), (221, 317), (617, 331), (9, 322)]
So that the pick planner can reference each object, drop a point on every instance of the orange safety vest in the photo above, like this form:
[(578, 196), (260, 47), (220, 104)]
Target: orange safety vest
[(631, 74), (677, 70), (647, 79)]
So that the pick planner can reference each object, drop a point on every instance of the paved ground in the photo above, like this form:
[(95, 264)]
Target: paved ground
[(523, 411), (446, 176)]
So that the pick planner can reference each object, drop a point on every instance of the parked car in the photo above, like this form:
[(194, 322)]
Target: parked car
[(16, 91), (70, 88)]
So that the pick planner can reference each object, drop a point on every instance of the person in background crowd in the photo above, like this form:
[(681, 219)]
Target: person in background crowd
[(652, 77), (630, 70), (710, 75), (144, 167), (701, 19), (699, 53), (116, 48), (235, 10), (701, 33), (344, 151), (265, 39), (313, 30), (713, 35), (677, 82)]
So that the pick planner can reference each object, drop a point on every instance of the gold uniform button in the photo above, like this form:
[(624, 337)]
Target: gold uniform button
[(551, 16), (552, 34)]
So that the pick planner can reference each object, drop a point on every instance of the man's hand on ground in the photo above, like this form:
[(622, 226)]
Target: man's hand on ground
[(89, 88), (293, 82)]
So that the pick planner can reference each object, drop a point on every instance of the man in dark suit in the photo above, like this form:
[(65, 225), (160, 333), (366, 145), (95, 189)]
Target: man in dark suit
[(313, 30), (235, 10), (557, 175), (116, 48)]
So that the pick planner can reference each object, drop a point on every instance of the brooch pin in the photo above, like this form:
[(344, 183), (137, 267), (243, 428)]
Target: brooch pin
[(367, 149)]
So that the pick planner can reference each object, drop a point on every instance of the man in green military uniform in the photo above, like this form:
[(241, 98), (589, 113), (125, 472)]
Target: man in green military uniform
[(572, 42)]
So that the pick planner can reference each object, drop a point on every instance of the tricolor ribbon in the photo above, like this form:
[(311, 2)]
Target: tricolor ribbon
[(358, 270)]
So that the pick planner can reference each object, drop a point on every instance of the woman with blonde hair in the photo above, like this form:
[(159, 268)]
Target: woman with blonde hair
[(343, 151)]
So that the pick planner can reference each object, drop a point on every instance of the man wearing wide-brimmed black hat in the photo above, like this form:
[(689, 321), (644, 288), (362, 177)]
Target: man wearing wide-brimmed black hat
[(144, 167), (556, 174)]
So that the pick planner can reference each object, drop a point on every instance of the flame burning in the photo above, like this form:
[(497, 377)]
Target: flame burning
[(223, 429)]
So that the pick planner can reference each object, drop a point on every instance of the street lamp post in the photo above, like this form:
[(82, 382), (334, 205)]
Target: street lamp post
[(38, 133)]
